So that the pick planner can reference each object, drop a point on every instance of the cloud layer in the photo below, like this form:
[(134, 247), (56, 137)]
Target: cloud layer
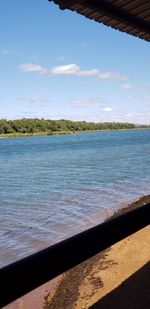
[(87, 101), (30, 67), (107, 109), (73, 69)]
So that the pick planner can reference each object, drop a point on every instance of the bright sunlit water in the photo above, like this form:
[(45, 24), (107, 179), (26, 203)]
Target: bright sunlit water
[(55, 186)]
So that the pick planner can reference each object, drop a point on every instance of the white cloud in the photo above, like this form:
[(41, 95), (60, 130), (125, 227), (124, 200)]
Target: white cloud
[(68, 69), (126, 86), (72, 69), (112, 76), (30, 67), (107, 109), (88, 72)]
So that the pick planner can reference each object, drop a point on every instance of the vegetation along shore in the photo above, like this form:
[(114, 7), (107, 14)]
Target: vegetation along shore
[(30, 127)]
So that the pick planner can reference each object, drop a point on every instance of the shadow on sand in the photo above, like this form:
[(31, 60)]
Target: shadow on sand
[(133, 293)]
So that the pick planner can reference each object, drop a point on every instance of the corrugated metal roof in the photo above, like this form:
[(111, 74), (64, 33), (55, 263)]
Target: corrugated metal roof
[(128, 16)]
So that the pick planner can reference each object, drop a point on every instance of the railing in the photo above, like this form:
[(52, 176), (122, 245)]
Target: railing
[(29, 273)]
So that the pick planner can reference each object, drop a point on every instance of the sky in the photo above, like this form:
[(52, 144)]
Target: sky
[(60, 65)]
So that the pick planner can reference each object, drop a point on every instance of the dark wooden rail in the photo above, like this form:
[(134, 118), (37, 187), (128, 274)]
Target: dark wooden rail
[(29, 273)]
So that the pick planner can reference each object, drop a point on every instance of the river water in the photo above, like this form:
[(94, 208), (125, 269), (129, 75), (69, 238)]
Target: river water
[(55, 186)]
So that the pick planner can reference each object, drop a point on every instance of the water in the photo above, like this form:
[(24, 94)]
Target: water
[(55, 186)]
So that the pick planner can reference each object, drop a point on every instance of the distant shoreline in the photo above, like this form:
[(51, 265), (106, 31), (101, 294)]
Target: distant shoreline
[(14, 135), (43, 127)]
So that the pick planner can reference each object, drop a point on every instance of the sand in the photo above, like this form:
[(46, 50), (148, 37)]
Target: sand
[(119, 277)]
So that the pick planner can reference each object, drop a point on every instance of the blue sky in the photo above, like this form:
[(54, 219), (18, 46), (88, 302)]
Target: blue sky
[(57, 64)]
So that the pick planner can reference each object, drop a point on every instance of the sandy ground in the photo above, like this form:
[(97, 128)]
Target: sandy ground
[(123, 260), (119, 277)]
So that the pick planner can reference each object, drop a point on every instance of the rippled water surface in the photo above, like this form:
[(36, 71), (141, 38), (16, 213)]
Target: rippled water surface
[(52, 187)]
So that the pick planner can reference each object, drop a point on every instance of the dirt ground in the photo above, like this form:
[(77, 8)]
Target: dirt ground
[(117, 278)]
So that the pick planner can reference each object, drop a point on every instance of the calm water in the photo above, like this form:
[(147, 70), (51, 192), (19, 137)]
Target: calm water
[(52, 187)]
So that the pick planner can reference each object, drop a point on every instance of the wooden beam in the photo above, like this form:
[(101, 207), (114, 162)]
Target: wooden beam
[(115, 12), (107, 9)]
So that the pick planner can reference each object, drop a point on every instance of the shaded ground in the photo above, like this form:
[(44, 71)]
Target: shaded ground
[(34, 299), (132, 293), (117, 277)]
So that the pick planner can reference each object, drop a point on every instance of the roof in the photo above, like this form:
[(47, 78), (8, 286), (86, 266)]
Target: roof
[(128, 16)]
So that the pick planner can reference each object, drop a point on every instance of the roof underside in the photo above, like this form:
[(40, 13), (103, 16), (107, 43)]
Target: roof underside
[(128, 16)]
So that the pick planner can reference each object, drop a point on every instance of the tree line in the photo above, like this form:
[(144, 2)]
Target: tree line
[(43, 126)]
